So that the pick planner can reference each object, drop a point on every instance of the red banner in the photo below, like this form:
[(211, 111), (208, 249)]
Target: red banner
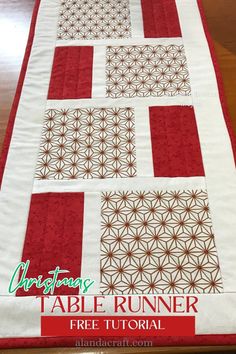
[(122, 326)]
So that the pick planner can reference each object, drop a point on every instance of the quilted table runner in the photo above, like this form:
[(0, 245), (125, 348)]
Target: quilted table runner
[(118, 185)]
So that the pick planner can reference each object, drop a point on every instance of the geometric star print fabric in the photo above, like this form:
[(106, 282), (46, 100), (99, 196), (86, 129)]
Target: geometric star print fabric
[(146, 71), (93, 19), (158, 242), (87, 143)]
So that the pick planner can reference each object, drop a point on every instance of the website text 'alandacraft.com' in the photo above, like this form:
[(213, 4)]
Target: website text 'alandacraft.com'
[(113, 343)]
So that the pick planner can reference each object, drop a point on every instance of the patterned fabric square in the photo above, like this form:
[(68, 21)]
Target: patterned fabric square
[(87, 143), (158, 242), (146, 70), (94, 19)]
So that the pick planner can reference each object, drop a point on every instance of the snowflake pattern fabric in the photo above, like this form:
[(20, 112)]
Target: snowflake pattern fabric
[(94, 19), (158, 242), (146, 70), (87, 143)]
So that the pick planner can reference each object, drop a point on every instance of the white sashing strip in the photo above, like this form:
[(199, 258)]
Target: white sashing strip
[(90, 267), (215, 143), (117, 184), (120, 102), (136, 18), (99, 76), (18, 176), (118, 42), (143, 142)]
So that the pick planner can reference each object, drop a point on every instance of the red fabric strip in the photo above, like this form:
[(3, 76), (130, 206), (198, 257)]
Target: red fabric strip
[(54, 238), (71, 75), (16, 100), (58, 73), (70, 72), (84, 89), (40, 342), (219, 79), (160, 18), (175, 144)]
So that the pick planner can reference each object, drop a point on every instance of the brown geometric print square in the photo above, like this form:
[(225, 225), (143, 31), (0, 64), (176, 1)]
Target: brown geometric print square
[(94, 19), (146, 70), (158, 242), (87, 143)]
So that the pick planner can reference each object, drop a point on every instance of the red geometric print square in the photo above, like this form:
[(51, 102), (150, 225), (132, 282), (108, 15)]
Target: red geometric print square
[(160, 19), (87, 143), (158, 242), (71, 75), (176, 148), (146, 70), (94, 19), (54, 238)]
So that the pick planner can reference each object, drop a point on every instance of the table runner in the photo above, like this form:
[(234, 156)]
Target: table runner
[(118, 166)]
